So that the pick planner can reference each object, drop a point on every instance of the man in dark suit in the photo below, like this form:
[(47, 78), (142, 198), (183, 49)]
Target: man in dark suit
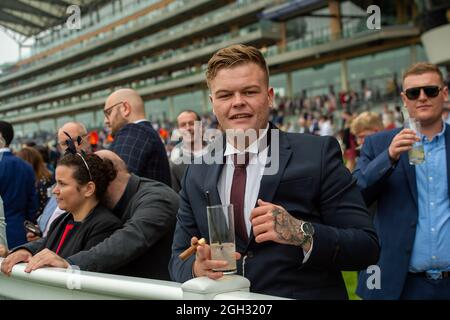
[(135, 140), (413, 217), (141, 248), (17, 189), (298, 225)]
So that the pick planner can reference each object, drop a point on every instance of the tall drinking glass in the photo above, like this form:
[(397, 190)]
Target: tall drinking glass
[(221, 236), (416, 154)]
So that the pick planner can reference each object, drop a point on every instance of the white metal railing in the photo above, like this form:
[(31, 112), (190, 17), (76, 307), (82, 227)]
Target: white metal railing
[(65, 284)]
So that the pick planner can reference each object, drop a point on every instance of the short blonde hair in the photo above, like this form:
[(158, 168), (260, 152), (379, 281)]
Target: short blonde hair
[(366, 121), (421, 68), (235, 55)]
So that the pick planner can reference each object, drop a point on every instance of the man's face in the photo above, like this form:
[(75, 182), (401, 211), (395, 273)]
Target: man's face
[(74, 132), (186, 122), (241, 98), (113, 118), (427, 110)]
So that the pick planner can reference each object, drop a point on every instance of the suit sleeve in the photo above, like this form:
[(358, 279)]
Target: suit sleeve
[(153, 217), (32, 198), (33, 246), (128, 146), (185, 229), (372, 171), (345, 239)]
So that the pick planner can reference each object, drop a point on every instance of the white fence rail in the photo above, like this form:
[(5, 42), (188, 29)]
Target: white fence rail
[(65, 284)]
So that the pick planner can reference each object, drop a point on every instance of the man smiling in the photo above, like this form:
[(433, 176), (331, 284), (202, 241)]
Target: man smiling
[(289, 225)]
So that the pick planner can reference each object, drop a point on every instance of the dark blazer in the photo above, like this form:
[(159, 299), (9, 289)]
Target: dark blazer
[(311, 184), (18, 191), (141, 248), (395, 189), (97, 226), (140, 146)]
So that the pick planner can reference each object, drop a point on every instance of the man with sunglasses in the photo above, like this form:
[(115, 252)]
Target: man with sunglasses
[(135, 140), (413, 217)]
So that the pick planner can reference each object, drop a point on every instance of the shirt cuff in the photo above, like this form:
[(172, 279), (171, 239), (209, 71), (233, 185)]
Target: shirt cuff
[(307, 254)]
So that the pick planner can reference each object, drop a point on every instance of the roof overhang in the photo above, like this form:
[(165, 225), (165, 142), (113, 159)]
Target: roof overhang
[(31, 17)]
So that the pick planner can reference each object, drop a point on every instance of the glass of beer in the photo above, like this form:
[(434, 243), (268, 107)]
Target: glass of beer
[(416, 154), (221, 236)]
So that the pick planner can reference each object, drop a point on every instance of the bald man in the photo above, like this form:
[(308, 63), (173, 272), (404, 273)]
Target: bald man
[(77, 131), (142, 247), (135, 140)]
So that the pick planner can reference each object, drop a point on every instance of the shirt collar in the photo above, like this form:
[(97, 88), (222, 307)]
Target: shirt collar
[(252, 149), (140, 120), (5, 150), (437, 137)]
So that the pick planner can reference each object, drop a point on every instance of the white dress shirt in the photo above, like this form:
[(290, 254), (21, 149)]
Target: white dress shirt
[(255, 172)]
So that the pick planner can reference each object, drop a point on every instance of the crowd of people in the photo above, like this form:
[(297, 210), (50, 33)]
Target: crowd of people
[(343, 196)]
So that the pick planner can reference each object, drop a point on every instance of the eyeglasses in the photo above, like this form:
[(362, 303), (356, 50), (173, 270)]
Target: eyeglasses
[(107, 111), (430, 92)]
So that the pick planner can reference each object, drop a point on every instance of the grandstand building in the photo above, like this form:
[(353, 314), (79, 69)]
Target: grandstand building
[(161, 47)]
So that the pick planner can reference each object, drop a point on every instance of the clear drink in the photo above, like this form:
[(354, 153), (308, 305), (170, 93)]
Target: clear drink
[(221, 235), (224, 251), (416, 155)]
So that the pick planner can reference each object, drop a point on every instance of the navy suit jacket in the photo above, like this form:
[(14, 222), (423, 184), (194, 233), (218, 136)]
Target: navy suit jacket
[(395, 189), (311, 184), (18, 191), (140, 146)]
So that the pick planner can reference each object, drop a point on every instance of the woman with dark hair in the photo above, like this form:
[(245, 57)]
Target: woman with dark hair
[(81, 181), (44, 178)]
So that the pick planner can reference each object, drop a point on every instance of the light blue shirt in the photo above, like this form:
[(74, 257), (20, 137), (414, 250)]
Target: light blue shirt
[(431, 250)]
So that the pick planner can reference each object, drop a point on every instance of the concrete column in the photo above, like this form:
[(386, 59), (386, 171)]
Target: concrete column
[(413, 52), (205, 101), (344, 75), (289, 89), (94, 118), (171, 109), (282, 42), (335, 22)]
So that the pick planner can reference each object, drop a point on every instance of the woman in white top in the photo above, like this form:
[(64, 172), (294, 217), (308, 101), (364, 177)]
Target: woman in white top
[(3, 242)]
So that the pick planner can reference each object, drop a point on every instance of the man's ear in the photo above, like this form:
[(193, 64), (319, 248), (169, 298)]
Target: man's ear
[(270, 94), (126, 109), (211, 99)]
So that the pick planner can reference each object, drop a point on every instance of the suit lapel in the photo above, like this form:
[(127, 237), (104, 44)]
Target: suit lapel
[(211, 183), (410, 171), (213, 172), (269, 183), (447, 152)]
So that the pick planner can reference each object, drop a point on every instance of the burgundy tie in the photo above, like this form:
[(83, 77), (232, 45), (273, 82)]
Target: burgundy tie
[(237, 196)]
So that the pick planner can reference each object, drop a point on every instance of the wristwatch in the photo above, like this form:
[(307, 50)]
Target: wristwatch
[(307, 230)]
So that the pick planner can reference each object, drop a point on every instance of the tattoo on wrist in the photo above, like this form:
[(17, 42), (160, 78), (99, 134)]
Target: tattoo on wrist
[(287, 227)]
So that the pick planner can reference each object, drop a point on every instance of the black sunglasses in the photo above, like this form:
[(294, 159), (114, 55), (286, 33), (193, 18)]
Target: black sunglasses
[(430, 91)]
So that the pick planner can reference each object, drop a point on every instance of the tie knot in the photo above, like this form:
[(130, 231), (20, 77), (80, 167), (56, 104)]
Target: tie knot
[(241, 160)]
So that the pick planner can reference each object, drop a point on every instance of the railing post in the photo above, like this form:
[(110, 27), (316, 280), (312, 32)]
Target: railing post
[(204, 288)]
